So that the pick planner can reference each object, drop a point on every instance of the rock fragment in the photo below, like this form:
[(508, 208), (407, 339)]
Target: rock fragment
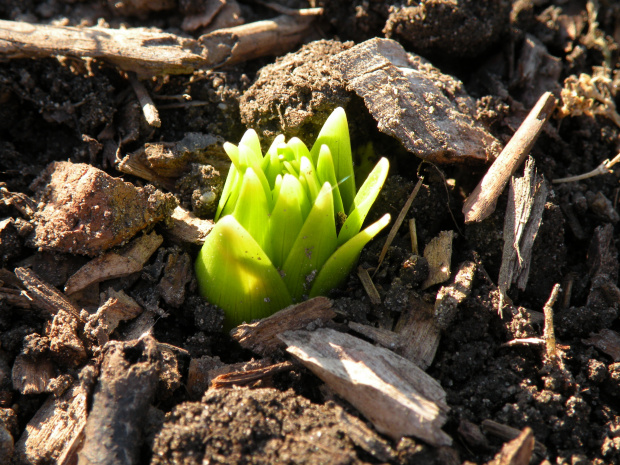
[(84, 210)]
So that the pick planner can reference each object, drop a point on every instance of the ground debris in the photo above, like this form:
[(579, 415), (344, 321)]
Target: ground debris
[(393, 393), (262, 337), (117, 307), (31, 376), (84, 210), (526, 203), (56, 430), (516, 452), (438, 254), (402, 94), (606, 340), (178, 271), (188, 228), (125, 390), (115, 264)]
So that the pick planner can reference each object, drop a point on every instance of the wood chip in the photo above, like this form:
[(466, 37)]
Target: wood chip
[(481, 203), (188, 228), (262, 337), (117, 264), (394, 394), (449, 297), (369, 286), (56, 429), (125, 390), (243, 378), (418, 333), (31, 376), (606, 340), (44, 296), (509, 433), (407, 104), (438, 253), (117, 307), (149, 53), (526, 204), (518, 451)]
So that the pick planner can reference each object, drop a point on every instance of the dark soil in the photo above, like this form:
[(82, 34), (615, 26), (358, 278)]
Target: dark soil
[(55, 109)]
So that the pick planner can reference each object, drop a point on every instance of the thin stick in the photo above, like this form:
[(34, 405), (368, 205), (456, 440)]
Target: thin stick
[(398, 222), (603, 168), (413, 232), (146, 102), (549, 332), (481, 203), (369, 286)]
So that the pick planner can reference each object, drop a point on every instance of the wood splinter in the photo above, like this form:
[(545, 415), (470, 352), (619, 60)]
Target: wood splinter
[(481, 203)]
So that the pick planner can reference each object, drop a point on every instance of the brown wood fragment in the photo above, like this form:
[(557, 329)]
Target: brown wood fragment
[(438, 253), (150, 53), (526, 204), (407, 104), (369, 286), (606, 340), (65, 344), (198, 379), (31, 376), (365, 438), (117, 307), (481, 203), (393, 393), (518, 451), (188, 228), (115, 264), (204, 17), (44, 296), (449, 297), (418, 333), (56, 429), (549, 331), (509, 433), (262, 337), (126, 388), (398, 222), (149, 110), (384, 337), (21, 202), (178, 271), (246, 377)]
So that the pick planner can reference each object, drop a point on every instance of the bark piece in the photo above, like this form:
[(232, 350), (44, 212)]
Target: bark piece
[(537, 71), (163, 162), (606, 340), (65, 344), (198, 378), (178, 271), (509, 433), (366, 438), (418, 333), (246, 377), (518, 451), (55, 431), (150, 53), (526, 204), (449, 297), (10, 242), (32, 376), (481, 203), (117, 307), (117, 264), (405, 100), (438, 253), (44, 296), (126, 388), (204, 17), (394, 394), (188, 228), (84, 210), (262, 337)]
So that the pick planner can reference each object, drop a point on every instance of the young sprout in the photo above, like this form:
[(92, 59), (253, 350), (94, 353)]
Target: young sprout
[(275, 240)]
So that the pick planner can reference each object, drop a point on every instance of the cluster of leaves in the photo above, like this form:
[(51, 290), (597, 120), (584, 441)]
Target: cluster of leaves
[(276, 240)]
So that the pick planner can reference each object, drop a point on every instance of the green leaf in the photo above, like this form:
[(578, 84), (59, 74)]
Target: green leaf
[(234, 273), (252, 209), (286, 218), (325, 172), (340, 264), (308, 174), (314, 244), (252, 152), (271, 164), (230, 192), (299, 149), (364, 199), (335, 134)]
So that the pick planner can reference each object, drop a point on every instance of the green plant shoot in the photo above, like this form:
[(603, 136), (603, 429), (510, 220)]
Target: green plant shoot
[(275, 240)]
